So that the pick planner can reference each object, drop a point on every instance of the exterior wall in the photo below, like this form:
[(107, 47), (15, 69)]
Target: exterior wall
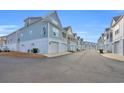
[(54, 32), (12, 47), (118, 37), (11, 41), (29, 37), (56, 38), (72, 46), (34, 31), (41, 44), (59, 45)]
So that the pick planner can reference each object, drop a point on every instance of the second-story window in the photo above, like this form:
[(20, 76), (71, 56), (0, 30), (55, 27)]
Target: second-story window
[(116, 32), (107, 36), (55, 32), (44, 32)]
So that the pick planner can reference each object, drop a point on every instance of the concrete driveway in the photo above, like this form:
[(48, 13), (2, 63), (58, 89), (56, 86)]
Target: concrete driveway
[(86, 66)]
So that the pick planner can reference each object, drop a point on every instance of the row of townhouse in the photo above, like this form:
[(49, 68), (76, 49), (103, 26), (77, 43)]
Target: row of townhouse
[(45, 34), (89, 45), (112, 40)]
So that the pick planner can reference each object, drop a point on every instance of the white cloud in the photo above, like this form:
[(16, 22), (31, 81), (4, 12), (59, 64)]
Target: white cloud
[(88, 36), (82, 32), (6, 29)]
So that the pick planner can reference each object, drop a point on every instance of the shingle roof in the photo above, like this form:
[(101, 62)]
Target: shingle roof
[(33, 18), (74, 34), (66, 28), (116, 18), (78, 37), (107, 29)]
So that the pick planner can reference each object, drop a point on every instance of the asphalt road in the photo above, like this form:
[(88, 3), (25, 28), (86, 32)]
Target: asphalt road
[(87, 66)]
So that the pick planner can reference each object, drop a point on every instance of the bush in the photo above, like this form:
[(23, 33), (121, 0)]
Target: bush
[(34, 50)]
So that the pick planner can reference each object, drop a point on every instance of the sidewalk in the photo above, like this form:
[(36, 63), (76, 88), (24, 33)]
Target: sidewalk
[(56, 55), (113, 56)]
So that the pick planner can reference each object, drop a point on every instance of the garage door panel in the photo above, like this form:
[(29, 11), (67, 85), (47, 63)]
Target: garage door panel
[(63, 47), (54, 47)]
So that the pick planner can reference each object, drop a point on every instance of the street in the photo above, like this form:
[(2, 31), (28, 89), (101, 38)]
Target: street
[(81, 67)]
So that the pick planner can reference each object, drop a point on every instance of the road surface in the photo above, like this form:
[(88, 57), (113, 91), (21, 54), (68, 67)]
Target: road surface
[(81, 67)]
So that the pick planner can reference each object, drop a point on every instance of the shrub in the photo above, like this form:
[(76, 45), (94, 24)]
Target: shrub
[(34, 50)]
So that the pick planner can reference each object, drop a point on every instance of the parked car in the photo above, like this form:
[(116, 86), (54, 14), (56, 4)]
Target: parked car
[(4, 49)]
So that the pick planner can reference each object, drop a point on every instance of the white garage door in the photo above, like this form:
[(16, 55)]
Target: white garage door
[(54, 47), (63, 48), (116, 47)]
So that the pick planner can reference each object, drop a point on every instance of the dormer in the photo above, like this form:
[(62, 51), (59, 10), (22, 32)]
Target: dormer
[(115, 19), (69, 31), (78, 38), (75, 35)]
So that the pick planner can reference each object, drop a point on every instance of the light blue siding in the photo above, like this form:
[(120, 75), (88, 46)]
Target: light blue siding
[(52, 32), (33, 32)]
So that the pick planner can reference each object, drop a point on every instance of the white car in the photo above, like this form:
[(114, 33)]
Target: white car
[(4, 49)]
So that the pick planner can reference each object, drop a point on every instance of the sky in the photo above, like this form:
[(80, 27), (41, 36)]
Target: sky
[(88, 24)]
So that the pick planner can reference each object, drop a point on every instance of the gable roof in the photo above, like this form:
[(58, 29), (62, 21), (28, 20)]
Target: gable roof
[(78, 38), (54, 18), (32, 18), (116, 18), (107, 29), (69, 31), (75, 34), (66, 28)]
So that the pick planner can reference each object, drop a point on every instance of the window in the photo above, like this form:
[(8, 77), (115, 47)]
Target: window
[(44, 31), (18, 40), (64, 35), (55, 32), (107, 36), (116, 32)]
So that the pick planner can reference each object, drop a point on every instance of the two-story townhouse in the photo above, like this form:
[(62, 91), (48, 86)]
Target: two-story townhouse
[(86, 45), (108, 41), (105, 40), (117, 27), (100, 43), (82, 44), (45, 34), (71, 39), (79, 43)]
